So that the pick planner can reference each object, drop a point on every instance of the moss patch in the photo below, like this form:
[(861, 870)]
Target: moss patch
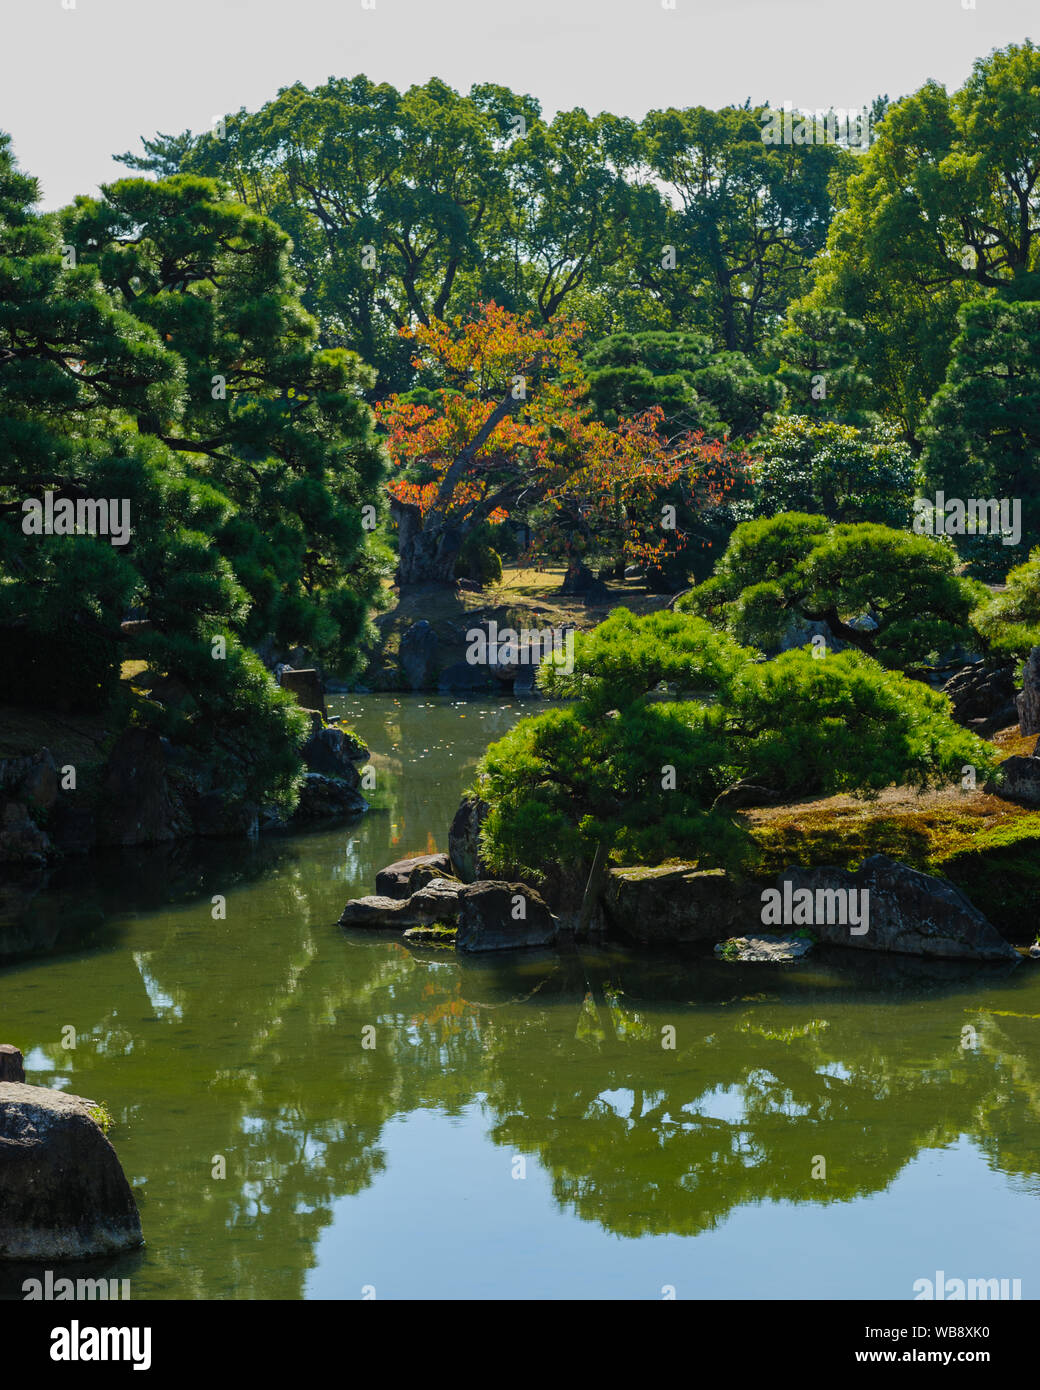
[(988, 847)]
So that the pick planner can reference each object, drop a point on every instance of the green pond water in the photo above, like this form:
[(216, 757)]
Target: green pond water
[(837, 1129)]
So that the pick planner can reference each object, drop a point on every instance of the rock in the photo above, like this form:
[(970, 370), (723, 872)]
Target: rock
[(464, 839), (402, 878), (1028, 703), (138, 804), (65, 1195), (28, 785), (524, 682), (763, 947), (436, 901), (1017, 779), (21, 839), (322, 798), (466, 676), (216, 815), (580, 580), (376, 911), (905, 911), (333, 752), (1034, 951), (633, 572), (743, 794), (12, 1064), (487, 920), (305, 685), (800, 631), (670, 904), (418, 656), (866, 622), (983, 697), (39, 785)]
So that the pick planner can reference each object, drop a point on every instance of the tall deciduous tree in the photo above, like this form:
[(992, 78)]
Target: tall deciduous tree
[(745, 220)]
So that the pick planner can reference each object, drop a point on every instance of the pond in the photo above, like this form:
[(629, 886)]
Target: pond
[(395, 1123)]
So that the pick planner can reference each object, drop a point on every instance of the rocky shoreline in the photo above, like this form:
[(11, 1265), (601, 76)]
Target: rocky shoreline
[(911, 913)]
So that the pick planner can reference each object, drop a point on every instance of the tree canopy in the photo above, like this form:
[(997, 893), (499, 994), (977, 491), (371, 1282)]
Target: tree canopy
[(887, 593), (638, 769)]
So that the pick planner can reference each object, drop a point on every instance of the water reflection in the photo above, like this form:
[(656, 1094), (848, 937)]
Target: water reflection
[(244, 1039)]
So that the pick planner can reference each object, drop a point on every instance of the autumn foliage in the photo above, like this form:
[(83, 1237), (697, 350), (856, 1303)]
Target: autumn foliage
[(511, 429)]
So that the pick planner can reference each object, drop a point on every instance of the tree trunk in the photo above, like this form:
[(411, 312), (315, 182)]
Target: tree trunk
[(425, 556)]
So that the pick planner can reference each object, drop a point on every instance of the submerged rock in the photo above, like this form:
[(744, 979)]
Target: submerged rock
[(763, 947), (65, 1196), (436, 935), (896, 909), (405, 876), (502, 917)]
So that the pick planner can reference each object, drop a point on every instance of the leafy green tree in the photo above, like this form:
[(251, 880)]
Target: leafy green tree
[(1009, 620), (894, 596), (696, 388), (745, 219), (278, 426), (820, 350), (982, 429), (843, 473), (628, 772), (944, 207)]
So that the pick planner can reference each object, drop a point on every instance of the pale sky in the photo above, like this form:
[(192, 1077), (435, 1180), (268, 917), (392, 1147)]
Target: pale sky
[(81, 80)]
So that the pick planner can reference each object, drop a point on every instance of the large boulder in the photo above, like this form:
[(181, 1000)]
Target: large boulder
[(983, 697), (502, 917), (22, 841), (418, 656), (139, 805), (675, 904), (904, 911), (322, 798), (1018, 779), (333, 752), (464, 839), (463, 676), (1028, 702), (32, 779), (436, 901), (65, 1196), (404, 877)]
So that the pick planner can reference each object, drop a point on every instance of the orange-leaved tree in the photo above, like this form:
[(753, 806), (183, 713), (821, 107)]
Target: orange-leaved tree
[(510, 430)]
